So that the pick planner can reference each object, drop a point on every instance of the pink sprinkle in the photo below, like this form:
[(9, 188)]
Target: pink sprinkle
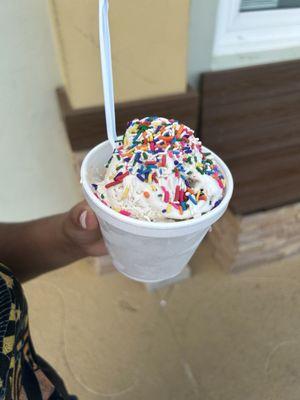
[(175, 206), (104, 202), (126, 213), (167, 195), (170, 154)]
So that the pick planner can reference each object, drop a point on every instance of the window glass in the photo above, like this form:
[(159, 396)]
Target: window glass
[(259, 5)]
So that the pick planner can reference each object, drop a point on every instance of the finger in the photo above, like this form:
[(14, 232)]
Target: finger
[(83, 217), (91, 222)]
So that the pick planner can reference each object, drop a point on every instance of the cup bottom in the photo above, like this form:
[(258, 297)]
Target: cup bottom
[(137, 279)]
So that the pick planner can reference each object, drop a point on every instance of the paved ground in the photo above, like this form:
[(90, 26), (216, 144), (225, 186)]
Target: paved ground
[(216, 336)]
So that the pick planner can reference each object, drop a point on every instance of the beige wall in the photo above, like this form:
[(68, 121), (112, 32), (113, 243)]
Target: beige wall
[(36, 172), (149, 48)]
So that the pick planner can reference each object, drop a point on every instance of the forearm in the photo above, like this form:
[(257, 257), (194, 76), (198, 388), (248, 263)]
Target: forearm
[(35, 247)]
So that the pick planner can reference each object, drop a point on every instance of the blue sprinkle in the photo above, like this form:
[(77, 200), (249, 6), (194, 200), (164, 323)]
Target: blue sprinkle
[(218, 202), (95, 186), (137, 158), (141, 178), (118, 174), (127, 159), (193, 200), (164, 211), (183, 205), (176, 162), (136, 137)]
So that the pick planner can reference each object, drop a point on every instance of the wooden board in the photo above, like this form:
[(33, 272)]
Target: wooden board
[(250, 117), (86, 127)]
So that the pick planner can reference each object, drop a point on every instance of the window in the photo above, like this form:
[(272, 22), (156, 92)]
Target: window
[(254, 5), (256, 25)]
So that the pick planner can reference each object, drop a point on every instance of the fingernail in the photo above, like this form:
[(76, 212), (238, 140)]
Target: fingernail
[(82, 219)]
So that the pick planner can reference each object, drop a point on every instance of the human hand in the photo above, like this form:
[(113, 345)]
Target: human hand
[(81, 228)]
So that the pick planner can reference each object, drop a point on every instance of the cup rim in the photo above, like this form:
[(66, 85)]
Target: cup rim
[(157, 225)]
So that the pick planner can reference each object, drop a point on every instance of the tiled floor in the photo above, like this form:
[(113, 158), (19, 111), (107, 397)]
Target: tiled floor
[(216, 336)]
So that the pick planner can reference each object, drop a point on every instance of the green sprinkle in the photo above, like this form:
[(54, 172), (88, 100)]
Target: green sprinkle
[(119, 167), (200, 170), (145, 156)]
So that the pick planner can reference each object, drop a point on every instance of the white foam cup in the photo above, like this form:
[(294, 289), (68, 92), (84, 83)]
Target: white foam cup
[(148, 251)]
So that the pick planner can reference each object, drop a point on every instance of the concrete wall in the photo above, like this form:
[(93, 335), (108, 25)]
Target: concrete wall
[(36, 171), (202, 24)]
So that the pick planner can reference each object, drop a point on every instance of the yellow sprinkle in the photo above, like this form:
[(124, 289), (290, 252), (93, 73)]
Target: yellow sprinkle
[(153, 188), (198, 196), (150, 178), (125, 193), (199, 165), (169, 208), (151, 138)]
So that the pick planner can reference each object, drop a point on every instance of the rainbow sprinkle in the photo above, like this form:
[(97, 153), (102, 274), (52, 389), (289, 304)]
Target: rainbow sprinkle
[(152, 153)]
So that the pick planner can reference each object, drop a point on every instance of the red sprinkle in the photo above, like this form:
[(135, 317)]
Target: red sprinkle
[(152, 146), (121, 177), (154, 177), (220, 184), (111, 184), (181, 196), (177, 193), (163, 160), (147, 195), (150, 162)]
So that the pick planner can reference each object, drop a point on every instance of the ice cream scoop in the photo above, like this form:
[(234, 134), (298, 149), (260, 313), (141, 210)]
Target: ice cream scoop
[(160, 172)]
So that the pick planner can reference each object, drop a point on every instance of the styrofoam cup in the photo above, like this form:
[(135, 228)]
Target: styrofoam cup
[(148, 251)]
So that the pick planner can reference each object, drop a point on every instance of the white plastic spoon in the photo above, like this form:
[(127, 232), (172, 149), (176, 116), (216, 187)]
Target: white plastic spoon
[(107, 76)]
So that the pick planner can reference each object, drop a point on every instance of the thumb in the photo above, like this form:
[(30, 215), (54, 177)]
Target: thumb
[(83, 217)]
